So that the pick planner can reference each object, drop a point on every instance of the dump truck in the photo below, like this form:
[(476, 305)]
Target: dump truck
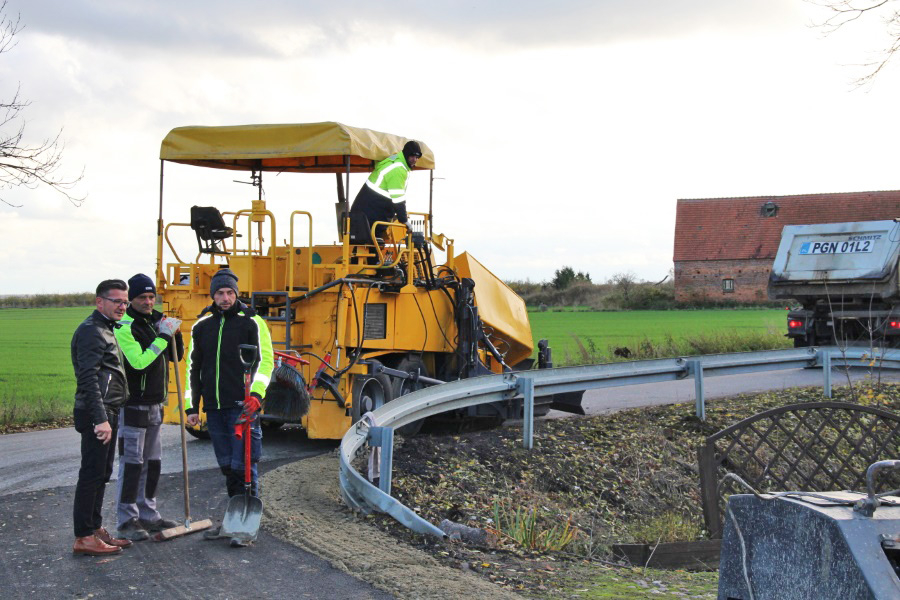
[(845, 278), (361, 324)]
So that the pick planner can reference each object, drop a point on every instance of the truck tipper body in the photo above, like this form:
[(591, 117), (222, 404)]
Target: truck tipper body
[(845, 278)]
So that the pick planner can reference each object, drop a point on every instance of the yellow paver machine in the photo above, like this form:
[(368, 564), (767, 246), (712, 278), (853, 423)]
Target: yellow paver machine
[(362, 324)]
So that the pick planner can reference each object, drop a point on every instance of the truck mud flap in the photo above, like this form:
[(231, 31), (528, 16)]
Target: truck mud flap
[(569, 402)]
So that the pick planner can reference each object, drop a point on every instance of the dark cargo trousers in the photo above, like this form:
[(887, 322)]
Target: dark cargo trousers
[(140, 462)]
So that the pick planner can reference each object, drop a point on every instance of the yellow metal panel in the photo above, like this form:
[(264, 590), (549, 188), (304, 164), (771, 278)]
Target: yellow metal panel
[(308, 147), (500, 308)]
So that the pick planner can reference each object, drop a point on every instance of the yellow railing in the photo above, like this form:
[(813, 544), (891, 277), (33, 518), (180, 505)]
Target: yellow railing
[(309, 263)]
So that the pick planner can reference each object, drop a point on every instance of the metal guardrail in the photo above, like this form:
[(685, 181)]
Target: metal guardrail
[(376, 429)]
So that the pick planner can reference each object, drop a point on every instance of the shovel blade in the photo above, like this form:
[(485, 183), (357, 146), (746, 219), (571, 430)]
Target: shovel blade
[(242, 517)]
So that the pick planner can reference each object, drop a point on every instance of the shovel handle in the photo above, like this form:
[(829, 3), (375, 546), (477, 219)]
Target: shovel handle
[(248, 479)]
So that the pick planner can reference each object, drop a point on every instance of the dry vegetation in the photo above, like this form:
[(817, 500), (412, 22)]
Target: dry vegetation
[(588, 483)]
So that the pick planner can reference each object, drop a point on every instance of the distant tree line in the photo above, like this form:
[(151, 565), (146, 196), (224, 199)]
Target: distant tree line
[(48, 300), (622, 291)]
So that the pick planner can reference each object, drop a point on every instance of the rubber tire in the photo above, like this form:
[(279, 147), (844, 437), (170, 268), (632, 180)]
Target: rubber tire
[(405, 386), (368, 402)]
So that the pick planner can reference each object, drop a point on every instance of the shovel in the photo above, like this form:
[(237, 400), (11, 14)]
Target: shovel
[(244, 512)]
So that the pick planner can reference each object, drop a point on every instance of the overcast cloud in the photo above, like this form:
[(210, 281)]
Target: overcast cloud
[(564, 132)]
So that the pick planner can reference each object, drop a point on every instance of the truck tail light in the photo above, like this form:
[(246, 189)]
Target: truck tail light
[(794, 323), (893, 324)]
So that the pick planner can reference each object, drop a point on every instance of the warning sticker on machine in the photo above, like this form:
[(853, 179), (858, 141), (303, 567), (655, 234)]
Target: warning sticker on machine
[(850, 246)]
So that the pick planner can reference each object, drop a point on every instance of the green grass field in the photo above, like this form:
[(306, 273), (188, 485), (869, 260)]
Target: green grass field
[(36, 377), (723, 330), (37, 382)]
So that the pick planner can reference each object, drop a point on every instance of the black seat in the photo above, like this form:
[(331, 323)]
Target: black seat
[(207, 223)]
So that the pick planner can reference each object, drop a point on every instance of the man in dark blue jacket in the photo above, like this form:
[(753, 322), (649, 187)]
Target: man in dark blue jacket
[(100, 391), (146, 338)]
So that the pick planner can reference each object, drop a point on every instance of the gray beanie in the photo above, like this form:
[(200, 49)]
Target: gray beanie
[(224, 278)]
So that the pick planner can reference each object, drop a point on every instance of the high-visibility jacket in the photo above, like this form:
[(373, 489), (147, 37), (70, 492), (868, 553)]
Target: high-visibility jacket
[(146, 355), (215, 372), (389, 177)]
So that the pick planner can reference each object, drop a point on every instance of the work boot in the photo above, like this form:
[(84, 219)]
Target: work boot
[(91, 545), (132, 530), (238, 543), (103, 535), (158, 525), (213, 533)]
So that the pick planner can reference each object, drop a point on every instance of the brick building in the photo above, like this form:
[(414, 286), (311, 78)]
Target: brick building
[(724, 247)]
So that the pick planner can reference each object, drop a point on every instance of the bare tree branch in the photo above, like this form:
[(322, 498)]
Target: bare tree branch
[(23, 164), (844, 12)]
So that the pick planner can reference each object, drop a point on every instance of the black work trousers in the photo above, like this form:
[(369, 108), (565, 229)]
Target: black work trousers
[(97, 461)]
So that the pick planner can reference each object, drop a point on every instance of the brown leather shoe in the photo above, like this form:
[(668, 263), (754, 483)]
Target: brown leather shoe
[(91, 545), (104, 537)]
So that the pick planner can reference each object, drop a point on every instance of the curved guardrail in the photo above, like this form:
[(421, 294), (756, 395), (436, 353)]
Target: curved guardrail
[(375, 429)]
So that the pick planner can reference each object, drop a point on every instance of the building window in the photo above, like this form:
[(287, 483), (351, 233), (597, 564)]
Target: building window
[(728, 285)]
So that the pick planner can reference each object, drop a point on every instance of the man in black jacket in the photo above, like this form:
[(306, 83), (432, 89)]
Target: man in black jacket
[(146, 338), (215, 376), (99, 393)]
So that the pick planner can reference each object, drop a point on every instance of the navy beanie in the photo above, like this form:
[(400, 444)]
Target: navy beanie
[(224, 278), (140, 284)]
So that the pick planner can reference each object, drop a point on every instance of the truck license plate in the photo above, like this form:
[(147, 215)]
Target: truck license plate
[(847, 247)]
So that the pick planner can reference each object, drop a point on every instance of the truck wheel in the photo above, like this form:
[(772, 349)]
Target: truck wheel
[(405, 386), (370, 392)]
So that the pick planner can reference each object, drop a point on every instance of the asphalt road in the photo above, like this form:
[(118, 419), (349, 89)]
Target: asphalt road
[(37, 476), (601, 401)]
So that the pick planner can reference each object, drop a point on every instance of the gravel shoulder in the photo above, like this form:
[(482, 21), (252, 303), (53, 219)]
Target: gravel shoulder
[(303, 507)]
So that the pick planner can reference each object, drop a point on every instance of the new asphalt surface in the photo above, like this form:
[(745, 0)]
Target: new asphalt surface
[(38, 472)]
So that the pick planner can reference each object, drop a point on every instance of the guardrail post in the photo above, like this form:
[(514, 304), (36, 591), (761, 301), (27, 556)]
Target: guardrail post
[(696, 368), (525, 386), (383, 437), (826, 371)]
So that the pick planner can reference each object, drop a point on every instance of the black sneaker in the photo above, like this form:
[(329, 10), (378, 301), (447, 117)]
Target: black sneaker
[(158, 525), (132, 530)]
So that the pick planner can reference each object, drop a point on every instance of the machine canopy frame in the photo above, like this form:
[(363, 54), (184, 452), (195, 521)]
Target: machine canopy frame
[(328, 147)]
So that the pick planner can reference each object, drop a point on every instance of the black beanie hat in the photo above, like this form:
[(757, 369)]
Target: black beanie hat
[(224, 278), (412, 148), (140, 284)]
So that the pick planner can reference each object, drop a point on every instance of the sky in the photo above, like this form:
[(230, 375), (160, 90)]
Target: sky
[(564, 133)]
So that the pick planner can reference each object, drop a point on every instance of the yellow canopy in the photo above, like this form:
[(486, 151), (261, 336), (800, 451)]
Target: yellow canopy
[(307, 147)]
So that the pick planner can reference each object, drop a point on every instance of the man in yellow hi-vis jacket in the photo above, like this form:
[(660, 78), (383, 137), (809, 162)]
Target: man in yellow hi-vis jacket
[(381, 197)]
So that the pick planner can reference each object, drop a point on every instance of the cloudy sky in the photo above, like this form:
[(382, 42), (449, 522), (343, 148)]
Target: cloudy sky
[(563, 132)]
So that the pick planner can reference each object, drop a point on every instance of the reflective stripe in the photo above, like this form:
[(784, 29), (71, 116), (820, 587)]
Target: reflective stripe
[(263, 378), (377, 189)]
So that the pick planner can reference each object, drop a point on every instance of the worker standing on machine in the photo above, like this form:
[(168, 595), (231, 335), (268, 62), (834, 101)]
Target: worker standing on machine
[(215, 379), (145, 337), (381, 197)]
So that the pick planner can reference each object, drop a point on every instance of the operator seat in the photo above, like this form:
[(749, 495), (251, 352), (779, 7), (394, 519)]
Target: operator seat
[(207, 223)]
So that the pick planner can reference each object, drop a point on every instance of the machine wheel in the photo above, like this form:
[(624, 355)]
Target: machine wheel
[(198, 432), (405, 386), (370, 392)]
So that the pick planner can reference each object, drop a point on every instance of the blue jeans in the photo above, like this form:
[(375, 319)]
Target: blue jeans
[(228, 449)]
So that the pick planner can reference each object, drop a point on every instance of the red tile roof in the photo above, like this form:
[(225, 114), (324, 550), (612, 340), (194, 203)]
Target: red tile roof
[(735, 228)]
